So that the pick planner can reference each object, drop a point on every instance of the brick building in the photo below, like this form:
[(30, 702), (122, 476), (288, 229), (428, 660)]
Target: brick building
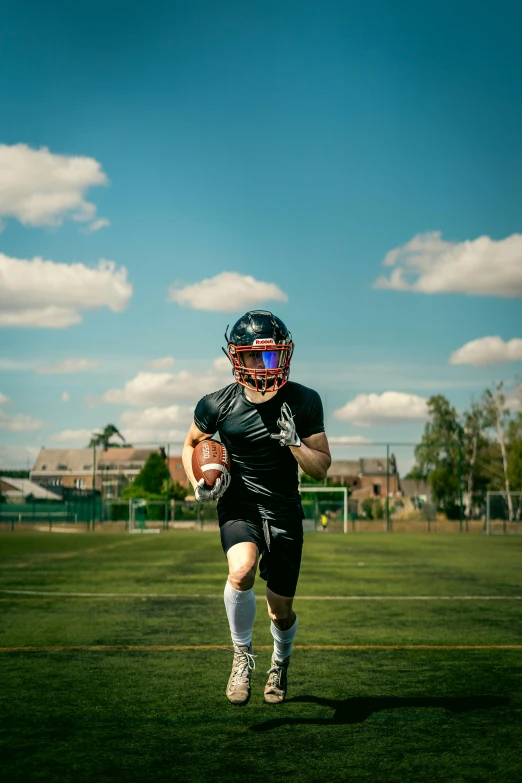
[(59, 469), (72, 469), (366, 476), (177, 471)]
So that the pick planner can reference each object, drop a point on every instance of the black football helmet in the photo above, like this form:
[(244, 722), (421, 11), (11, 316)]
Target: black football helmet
[(260, 348)]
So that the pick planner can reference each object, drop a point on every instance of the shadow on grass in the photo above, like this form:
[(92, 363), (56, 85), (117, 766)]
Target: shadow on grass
[(358, 708)]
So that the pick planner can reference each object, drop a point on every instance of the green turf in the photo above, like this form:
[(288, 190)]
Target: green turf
[(368, 715)]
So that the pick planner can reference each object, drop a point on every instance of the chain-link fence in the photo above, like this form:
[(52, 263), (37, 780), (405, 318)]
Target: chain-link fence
[(412, 508)]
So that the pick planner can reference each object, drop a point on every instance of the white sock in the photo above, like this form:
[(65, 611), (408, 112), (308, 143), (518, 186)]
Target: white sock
[(283, 640), (241, 613)]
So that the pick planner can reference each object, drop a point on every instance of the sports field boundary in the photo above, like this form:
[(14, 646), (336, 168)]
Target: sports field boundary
[(212, 647), (178, 596)]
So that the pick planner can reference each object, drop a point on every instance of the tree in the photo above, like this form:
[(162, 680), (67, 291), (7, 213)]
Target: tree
[(497, 417), (515, 453), (177, 491), (437, 455), (514, 448), (326, 497), (16, 473), (474, 446), (373, 508), (489, 440), (417, 475), (150, 479), (103, 437)]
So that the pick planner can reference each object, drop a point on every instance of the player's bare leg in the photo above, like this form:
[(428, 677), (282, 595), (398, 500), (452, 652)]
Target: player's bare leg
[(283, 628), (240, 604)]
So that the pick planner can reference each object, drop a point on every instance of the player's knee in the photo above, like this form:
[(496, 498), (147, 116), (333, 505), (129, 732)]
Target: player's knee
[(283, 616), (242, 577)]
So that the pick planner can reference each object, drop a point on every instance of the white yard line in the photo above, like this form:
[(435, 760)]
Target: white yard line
[(187, 647), (64, 594)]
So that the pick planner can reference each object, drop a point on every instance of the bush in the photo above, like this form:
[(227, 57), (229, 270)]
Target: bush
[(373, 508)]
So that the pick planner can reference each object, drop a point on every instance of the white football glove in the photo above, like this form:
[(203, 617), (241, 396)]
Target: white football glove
[(204, 494), (288, 434)]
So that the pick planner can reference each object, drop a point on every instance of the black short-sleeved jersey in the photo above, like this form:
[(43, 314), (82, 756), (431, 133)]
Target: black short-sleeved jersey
[(264, 473)]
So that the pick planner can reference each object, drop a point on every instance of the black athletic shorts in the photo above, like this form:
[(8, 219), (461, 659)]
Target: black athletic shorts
[(280, 544)]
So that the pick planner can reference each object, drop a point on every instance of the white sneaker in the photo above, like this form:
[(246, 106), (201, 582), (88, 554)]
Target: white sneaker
[(275, 689), (238, 688)]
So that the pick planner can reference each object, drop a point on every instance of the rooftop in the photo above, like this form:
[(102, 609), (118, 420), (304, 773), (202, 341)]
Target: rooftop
[(63, 461), (366, 466), (24, 487)]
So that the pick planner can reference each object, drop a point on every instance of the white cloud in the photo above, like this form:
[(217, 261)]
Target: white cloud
[(222, 364), (157, 418), (92, 227), (47, 294), (390, 406), (163, 388), (15, 364), (157, 424), (78, 438), (514, 399), (66, 366), (165, 363), (488, 350), (40, 188), (66, 397), (41, 318), (226, 292), (348, 440), (481, 267), (13, 456), (19, 422)]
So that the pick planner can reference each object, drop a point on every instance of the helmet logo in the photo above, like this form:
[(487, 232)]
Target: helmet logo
[(268, 341)]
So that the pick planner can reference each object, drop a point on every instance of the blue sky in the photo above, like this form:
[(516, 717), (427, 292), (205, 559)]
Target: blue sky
[(295, 143)]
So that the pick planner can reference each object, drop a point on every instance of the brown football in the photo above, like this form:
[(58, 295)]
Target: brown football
[(209, 459)]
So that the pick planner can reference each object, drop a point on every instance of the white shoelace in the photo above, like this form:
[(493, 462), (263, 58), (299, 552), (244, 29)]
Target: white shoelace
[(244, 663), (275, 674)]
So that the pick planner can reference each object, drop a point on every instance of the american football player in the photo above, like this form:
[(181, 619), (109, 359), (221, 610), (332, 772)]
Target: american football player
[(270, 426)]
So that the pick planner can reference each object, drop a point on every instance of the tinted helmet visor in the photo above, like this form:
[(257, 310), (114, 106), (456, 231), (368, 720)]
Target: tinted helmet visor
[(263, 360), (262, 368)]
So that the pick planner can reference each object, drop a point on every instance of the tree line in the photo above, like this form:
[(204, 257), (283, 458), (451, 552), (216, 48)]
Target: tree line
[(465, 455)]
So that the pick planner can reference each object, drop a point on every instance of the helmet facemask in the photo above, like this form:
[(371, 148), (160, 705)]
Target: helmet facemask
[(260, 348), (262, 368)]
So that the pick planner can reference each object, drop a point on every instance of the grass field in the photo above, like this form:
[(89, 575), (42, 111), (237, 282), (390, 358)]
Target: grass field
[(390, 688)]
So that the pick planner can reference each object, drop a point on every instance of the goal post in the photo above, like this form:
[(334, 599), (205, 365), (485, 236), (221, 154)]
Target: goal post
[(504, 510), (343, 490), (138, 517)]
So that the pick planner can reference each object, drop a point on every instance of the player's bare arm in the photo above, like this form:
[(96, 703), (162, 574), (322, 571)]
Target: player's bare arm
[(313, 456), (202, 491), (194, 436), (312, 453)]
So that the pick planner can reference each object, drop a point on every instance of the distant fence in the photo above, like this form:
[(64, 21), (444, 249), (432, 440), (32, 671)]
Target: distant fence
[(405, 514)]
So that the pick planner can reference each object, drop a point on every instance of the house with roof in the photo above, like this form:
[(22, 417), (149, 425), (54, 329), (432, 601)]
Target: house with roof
[(119, 466), (367, 476), (17, 489), (177, 471), (59, 469), (417, 490)]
